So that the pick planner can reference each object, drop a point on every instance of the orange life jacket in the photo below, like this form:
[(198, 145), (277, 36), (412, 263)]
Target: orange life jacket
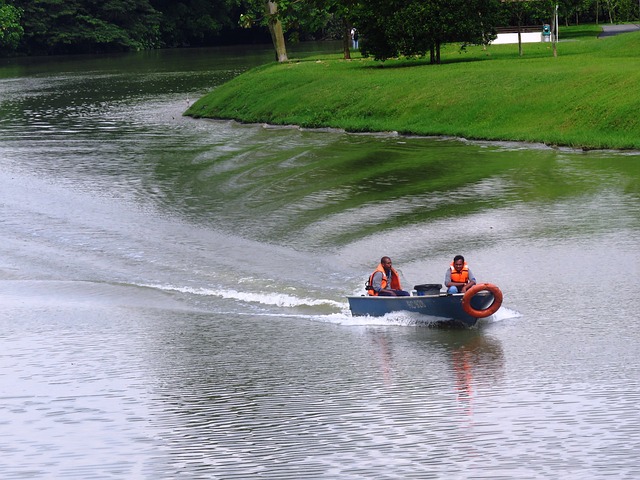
[(395, 280), (462, 277)]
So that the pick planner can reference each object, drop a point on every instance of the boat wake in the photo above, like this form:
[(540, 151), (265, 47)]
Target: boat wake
[(503, 313), (411, 319), (316, 309), (275, 299)]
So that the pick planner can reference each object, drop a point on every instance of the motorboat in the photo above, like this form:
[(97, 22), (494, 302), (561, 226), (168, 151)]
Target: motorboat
[(480, 301)]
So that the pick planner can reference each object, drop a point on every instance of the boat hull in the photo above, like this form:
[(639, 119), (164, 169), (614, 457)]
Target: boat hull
[(446, 307)]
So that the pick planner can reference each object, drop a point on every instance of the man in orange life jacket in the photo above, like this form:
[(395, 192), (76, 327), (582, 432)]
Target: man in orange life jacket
[(385, 281), (459, 278)]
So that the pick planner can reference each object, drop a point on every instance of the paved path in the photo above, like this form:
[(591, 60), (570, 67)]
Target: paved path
[(609, 30)]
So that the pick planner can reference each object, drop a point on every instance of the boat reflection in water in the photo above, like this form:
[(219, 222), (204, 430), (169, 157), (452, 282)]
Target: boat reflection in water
[(477, 360), (474, 358)]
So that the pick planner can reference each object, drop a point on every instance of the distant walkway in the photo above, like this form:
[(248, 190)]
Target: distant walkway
[(609, 30)]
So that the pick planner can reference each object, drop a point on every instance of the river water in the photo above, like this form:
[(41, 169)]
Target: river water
[(173, 291)]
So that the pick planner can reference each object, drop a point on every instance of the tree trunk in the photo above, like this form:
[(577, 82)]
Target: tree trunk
[(610, 7), (275, 29), (346, 38), (520, 14), (519, 41)]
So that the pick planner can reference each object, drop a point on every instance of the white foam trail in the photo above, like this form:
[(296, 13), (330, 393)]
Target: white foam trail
[(277, 299), (503, 313), (343, 318), (405, 319)]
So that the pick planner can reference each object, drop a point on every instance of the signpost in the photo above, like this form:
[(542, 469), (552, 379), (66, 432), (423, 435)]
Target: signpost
[(554, 33)]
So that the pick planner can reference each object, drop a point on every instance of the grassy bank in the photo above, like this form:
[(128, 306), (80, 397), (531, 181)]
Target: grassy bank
[(586, 97)]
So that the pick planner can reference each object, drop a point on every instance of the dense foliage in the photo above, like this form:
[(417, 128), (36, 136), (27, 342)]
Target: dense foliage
[(86, 26), (388, 28), (10, 29), (414, 27)]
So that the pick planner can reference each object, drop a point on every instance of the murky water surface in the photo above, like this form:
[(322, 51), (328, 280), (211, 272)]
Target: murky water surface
[(173, 291)]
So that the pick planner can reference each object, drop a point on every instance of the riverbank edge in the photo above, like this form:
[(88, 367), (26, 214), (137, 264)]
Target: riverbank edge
[(395, 134)]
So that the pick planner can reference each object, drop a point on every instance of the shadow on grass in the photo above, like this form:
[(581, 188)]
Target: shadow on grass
[(584, 32), (394, 63)]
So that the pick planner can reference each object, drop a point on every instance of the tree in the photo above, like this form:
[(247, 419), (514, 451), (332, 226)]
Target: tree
[(10, 29), (291, 18), (571, 9), (88, 26), (412, 28), (92, 26), (275, 29), (266, 13), (343, 10), (518, 10), (621, 10), (373, 20), (531, 12), (193, 22)]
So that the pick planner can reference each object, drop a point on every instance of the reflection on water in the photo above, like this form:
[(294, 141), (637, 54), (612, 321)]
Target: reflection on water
[(379, 391), (475, 362), (173, 291)]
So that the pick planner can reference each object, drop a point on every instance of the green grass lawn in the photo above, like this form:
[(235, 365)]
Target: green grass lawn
[(588, 96)]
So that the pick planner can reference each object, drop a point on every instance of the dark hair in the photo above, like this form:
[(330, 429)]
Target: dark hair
[(458, 257)]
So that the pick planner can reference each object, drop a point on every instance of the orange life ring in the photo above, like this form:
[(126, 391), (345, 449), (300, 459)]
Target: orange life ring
[(491, 309)]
